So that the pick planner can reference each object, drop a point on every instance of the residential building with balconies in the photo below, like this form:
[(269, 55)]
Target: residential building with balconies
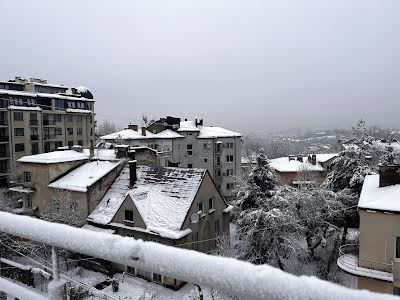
[(376, 259), (37, 117)]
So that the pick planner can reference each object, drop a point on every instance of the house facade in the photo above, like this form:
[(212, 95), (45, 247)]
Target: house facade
[(75, 176), (376, 260), (173, 206), (189, 144), (37, 117)]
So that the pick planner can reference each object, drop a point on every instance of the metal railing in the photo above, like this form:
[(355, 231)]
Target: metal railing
[(225, 274)]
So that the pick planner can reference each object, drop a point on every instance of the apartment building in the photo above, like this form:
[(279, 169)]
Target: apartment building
[(37, 117), (189, 144), (376, 259)]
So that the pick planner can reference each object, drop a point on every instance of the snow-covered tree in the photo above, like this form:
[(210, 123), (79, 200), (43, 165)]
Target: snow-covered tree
[(106, 127), (389, 156)]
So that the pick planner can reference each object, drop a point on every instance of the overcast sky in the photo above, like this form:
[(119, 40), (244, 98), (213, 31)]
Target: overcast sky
[(251, 66)]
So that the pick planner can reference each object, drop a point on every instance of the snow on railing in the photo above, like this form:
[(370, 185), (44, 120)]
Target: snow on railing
[(225, 274), (349, 261)]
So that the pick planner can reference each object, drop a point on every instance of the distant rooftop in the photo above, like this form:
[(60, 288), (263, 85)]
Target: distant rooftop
[(283, 164), (130, 134), (206, 131)]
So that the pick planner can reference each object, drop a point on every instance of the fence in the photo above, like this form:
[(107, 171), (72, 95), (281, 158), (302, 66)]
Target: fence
[(226, 274)]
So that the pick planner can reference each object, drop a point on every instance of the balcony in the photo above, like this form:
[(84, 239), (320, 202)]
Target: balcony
[(34, 123), (49, 122), (4, 138), (34, 137), (348, 261)]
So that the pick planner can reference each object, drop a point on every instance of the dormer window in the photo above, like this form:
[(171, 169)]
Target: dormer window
[(128, 215)]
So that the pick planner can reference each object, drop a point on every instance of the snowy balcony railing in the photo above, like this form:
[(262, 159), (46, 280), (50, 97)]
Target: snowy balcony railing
[(349, 261), (225, 274)]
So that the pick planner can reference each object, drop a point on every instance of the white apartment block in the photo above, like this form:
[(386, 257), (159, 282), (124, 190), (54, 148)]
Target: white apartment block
[(37, 117), (189, 144)]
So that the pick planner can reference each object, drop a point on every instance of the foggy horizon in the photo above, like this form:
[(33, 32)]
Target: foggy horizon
[(249, 66)]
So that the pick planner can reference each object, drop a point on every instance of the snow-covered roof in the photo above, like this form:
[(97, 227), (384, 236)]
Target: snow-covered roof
[(84, 176), (54, 157), (283, 164), (98, 229), (21, 189), (130, 134), (207, 132), (68, 155), (82, 89), (381, 198), (76, 110), (32, 108), (44, 95), (162, 196), (188, 126)]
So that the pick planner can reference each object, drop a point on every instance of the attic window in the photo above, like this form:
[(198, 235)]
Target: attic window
[(128, 215)]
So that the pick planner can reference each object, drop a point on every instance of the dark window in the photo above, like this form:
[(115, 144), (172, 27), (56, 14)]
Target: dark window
[(69, 118), (157, 277), (19, 147), (70, 131), (35, 148), (70, 143), (59, 104), (80, 143), (229, 158), (200, 206), (229, 186), (211, 203), (27, 176), (79, 118), (58, 131), (18, 116), (79, 131), (398, 247), (57, 118), (58, 144), (189, 147), (190, 166), (190, 153), (128, 215), (19, 131), (129, 269), (205, 159)]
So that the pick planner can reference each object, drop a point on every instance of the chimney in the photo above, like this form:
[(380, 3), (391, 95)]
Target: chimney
[(389, 175), (132, 173), (144, 131), (133, 127), (313, 159)]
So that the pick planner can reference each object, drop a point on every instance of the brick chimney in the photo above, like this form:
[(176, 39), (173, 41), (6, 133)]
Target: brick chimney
[(144, 131), (132, 173), (389, 175), (133, 127)]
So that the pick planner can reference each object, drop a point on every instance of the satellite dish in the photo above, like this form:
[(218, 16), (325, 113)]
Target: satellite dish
[(194, 218)]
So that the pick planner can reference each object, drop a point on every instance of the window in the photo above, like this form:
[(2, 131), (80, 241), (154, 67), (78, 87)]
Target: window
[(189, 148), (79, 118), (29, 201), (398, 247), (57, 118), (80, 143), (91, 131), (130, 270), (195, 239), (18, 116), (128, 215), (229, 158), (69, 118), (229, 186), (70, 143), (19, 147), (157, 277), (79, 130), (210, 203), (33, 116), (58, 131), (27, 177), (217, 147), (35, 148), (200, 207), (217, 227), (19, 131), (229, 172), (179, 147), (205, 159), (59, 104), (218, 173), (218, 160), (229, 145), (190, 166), (58, 144), (396, 291), (70, 131)]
